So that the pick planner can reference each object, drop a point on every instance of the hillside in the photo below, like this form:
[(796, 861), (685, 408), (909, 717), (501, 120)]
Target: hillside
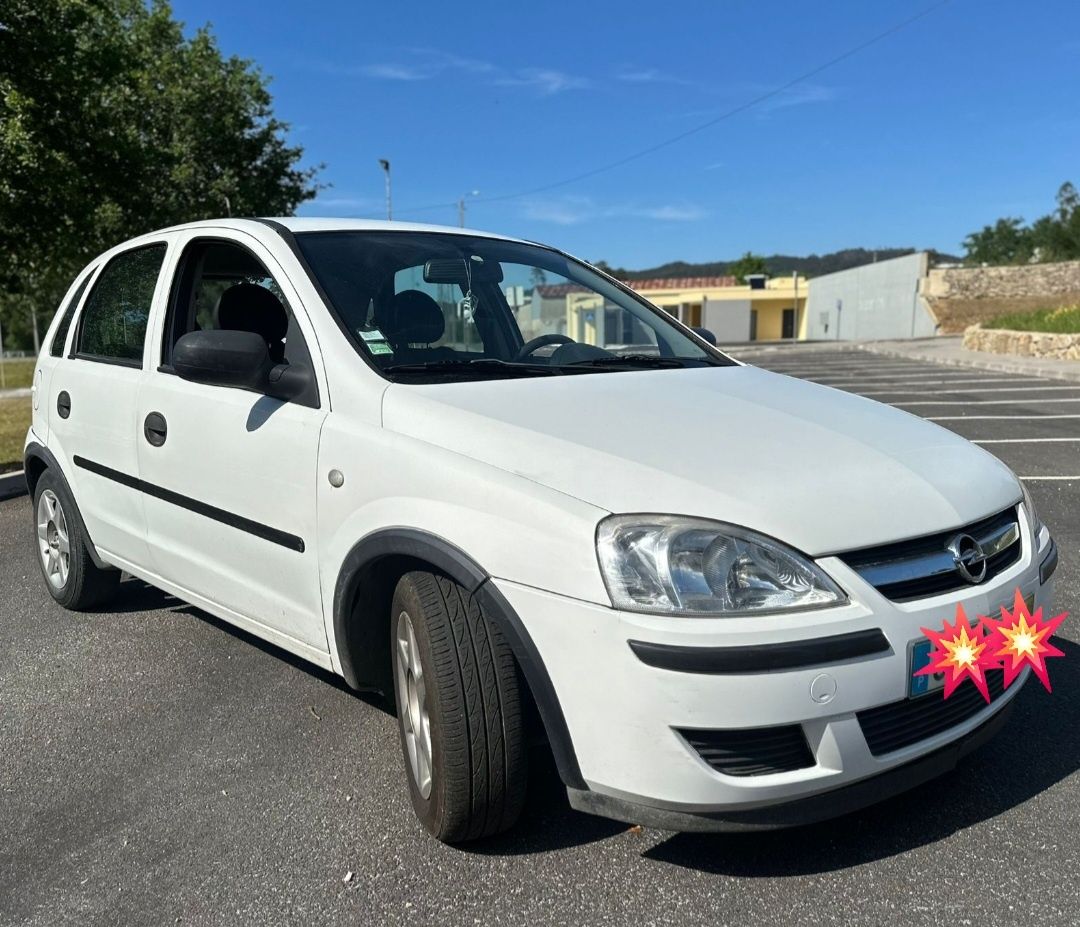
[(814, 265)]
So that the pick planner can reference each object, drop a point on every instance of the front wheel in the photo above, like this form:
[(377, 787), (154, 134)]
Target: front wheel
[(459, 710)]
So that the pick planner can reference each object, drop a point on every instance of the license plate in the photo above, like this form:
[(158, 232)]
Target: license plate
[(919, 656)]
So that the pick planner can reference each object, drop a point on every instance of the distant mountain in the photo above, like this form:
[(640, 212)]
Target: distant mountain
[(815, 265)]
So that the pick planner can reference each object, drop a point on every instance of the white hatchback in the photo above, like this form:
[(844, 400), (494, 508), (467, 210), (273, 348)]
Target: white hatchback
[(482, 476)]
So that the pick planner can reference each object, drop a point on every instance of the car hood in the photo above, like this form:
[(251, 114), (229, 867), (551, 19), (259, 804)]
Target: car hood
[(820, 469)]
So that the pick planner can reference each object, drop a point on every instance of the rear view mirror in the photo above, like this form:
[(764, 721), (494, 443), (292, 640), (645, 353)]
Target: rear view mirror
[(453, 270), (705, 335), (223, 358)]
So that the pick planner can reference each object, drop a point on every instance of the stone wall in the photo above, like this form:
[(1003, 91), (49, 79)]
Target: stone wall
[(962, 296), (1026, 344)]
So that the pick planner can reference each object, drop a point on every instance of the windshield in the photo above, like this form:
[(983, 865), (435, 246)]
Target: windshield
[(440, 306)]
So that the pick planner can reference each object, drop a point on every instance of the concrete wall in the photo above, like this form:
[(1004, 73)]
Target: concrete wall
[(963, 296), (875, 301), (728, 319)]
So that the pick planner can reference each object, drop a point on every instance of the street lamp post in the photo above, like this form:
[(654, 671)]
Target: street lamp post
[(385, 165), (461, 207)]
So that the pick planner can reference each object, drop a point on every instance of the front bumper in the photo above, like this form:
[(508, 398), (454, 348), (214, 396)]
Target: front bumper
[(624, 716)]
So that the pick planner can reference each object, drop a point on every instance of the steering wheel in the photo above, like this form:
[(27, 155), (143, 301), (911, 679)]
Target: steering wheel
[(530, 347)]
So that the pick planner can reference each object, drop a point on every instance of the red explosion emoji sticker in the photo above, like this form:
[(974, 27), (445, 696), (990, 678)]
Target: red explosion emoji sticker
[(1021, 639), (961, 652)]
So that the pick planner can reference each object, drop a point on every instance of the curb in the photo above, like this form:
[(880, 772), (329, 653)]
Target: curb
[(978, 363), (12, 485)]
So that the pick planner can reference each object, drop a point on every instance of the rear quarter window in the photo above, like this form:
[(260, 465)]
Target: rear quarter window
[(56, 347), (117, 311)]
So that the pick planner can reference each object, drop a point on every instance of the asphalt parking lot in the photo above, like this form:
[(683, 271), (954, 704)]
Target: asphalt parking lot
[(159, 767)]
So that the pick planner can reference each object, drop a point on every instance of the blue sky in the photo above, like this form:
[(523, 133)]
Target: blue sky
[(969, 114)]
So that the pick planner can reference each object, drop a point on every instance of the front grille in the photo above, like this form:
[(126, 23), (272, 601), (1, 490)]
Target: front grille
[(924, 566), (756, 751), (901, 724)]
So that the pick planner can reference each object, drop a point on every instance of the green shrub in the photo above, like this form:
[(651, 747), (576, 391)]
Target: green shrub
[(1063, 320)]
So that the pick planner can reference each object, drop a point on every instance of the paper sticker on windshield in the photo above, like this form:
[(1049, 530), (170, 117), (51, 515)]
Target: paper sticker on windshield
[(380, 347), (373, 335)]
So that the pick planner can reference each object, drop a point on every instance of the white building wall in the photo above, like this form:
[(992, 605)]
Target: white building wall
[(872, 302), (728, 319)]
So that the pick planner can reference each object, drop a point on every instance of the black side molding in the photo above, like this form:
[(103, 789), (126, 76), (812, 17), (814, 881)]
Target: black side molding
[(273, 535), (762, 658), (1049, 564)]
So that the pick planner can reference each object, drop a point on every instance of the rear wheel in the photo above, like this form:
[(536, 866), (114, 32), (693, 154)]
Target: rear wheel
[(71, 576), (459, 710)]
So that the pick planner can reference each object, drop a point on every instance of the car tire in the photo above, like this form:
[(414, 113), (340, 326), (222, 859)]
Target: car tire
[(71, 576), (458, 695)]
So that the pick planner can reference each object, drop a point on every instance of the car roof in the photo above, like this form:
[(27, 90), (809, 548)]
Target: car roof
[(332, 224)]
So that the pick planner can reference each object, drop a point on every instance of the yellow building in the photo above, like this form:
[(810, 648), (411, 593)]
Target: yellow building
[(760, 310)]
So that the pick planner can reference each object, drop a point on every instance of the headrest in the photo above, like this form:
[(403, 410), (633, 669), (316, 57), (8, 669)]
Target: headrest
[(248, 307), (412, 317)]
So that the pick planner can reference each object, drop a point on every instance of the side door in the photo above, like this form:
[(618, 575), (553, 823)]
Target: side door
[(229, 474), (93, 397)]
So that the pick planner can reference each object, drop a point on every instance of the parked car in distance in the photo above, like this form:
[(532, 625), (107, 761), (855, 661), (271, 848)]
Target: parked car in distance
[(495, 484)]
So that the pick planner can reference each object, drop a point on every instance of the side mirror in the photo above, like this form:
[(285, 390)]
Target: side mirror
[(224, 358), (705, 335)]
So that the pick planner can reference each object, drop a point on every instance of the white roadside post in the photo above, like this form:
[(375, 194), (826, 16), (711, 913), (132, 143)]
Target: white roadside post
[(3, 379)]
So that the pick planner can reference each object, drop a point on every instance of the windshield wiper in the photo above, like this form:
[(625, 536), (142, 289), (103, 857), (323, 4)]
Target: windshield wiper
[(476, 365), (629, 360)]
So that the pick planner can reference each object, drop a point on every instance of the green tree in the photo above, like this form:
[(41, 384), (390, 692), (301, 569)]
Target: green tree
[(1057, 236), (113, 123), (746, 266), (1007, 241)]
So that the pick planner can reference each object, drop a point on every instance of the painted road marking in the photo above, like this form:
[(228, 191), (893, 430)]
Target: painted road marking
[(982, 402), (994, 389), (984, 418), (1020, 440), (1050, 477)]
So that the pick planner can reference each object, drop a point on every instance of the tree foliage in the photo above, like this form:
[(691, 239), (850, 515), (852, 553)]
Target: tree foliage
[(1054, 237), (747, 265), (113, 123)]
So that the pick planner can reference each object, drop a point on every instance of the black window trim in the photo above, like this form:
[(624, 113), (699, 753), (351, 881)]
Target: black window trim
[(128, 362), (82, 287), (312, 401)]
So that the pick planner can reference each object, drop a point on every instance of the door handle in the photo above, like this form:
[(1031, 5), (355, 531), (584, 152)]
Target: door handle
[(155, 429)]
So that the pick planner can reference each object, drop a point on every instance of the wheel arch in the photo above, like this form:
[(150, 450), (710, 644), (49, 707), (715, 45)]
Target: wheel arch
[(362, 598), (36, 460)]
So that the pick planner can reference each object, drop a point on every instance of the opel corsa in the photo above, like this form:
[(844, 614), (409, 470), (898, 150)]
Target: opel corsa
[(488, 480)]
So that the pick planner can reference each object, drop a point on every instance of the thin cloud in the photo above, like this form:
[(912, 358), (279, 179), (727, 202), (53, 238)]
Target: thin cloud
[(420, 64), (544, 81), (575, 210), (651, 76)]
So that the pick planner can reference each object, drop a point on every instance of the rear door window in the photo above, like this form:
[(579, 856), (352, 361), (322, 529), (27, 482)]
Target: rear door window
[(114, 320)]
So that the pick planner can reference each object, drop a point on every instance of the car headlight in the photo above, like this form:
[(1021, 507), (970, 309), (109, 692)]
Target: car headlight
[(1033, 516), (669, 564)]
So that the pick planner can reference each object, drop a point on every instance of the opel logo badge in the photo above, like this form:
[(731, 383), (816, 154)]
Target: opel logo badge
[(969, 557)]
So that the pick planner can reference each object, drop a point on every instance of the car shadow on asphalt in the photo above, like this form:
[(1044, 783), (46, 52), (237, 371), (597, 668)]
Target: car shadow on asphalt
[(1038, 747), (134, 595)]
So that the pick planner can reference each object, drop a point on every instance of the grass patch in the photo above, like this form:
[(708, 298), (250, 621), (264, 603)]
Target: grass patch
[(14, 420), (18, 372), (1064, 320)]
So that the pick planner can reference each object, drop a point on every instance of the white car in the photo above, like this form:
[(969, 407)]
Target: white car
[(484, 476)]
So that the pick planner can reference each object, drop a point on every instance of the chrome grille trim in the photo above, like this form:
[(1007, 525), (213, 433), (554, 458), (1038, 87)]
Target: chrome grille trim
[(924, 566)]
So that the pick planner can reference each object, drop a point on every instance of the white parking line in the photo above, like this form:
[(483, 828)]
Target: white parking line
[(958, 378), (982, 402), (986, 418), (980, 391), (1050, 477), (1021, 440)]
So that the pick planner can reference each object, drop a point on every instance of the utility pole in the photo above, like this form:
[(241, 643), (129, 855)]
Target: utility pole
[(33, 319), (385, 165), (461, 207), (3, 378)]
